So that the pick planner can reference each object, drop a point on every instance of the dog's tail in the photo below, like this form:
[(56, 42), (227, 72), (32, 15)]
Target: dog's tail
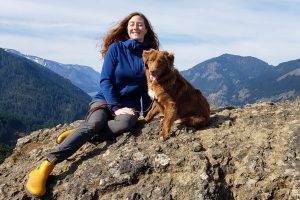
[(194, 121)]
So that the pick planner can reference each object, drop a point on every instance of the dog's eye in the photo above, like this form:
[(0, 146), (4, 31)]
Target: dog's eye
[(151, 59)]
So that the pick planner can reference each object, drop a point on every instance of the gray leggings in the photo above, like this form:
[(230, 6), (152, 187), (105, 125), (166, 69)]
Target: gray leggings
[(100, 123)]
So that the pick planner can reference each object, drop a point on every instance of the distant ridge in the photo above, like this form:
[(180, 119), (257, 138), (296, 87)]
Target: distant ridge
[(237, 80), (84, 77)]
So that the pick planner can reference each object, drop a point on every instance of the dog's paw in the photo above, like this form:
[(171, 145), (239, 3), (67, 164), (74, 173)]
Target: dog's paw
[(147, 119), (178, 121), (164, 136)]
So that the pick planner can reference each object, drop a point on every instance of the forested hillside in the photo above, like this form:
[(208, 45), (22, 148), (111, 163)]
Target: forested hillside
[(34, 97), (84, 77)]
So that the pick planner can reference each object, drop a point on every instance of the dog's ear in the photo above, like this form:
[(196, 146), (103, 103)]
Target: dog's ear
[(146, 54), (170, 57)]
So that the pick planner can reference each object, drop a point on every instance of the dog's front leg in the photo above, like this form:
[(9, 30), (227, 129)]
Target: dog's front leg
[(153, 111), (169, 117)]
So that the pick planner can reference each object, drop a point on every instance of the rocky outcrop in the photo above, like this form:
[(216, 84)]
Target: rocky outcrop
[(249, 153)]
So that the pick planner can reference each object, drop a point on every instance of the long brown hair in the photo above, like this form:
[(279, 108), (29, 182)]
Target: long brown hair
[(120, 34)]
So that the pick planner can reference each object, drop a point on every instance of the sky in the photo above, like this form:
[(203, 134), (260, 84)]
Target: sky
[(71, 31)]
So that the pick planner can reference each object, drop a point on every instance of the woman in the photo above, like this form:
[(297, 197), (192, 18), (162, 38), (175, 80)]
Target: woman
[(115, 108)]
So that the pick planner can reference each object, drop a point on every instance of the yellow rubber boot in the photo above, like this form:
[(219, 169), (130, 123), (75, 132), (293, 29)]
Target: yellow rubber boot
[(62, 136), (36, 183)]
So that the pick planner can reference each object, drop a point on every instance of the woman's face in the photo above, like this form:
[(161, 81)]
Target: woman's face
[(136, 28)]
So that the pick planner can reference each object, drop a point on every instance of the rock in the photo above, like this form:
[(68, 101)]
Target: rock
[(248, 153), (197, 147), (161, 161)]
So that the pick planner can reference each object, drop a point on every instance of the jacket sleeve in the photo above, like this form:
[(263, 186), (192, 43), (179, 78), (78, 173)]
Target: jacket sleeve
[(107, 78)]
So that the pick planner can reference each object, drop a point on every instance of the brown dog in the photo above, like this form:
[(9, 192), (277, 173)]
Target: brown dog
[(173, 96)]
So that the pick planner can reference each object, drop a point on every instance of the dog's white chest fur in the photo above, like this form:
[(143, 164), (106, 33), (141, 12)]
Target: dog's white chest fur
[(152, 94)]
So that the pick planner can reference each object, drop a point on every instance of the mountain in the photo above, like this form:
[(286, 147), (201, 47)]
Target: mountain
[(33, 97), (84, 77), (245, 153), (236, 80), (281, 83), (224, 80)]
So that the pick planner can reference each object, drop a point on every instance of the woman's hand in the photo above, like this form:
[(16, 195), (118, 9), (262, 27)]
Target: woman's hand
[(124, 110)]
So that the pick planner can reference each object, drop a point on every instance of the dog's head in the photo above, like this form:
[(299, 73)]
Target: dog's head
[(158, 62)]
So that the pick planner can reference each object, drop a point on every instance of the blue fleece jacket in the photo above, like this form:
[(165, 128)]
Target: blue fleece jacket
[(122, 79)]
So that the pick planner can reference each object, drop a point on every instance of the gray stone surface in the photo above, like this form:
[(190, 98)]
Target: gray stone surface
[(249, 153)]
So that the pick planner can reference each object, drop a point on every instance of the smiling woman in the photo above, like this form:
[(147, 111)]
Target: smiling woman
[(136, 28), (122, 32), (116, 106)]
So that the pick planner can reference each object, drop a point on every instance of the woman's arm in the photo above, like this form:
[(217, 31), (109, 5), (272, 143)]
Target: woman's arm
[(107, 79)]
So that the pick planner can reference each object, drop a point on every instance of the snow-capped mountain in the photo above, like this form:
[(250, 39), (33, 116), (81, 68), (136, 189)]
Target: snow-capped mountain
[(84, 77)]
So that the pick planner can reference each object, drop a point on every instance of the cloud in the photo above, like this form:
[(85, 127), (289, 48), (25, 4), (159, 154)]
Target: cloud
[(195, 30)]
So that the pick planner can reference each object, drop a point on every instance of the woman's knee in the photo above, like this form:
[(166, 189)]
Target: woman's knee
[(126, 121), (97, 119), (93, 126)]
